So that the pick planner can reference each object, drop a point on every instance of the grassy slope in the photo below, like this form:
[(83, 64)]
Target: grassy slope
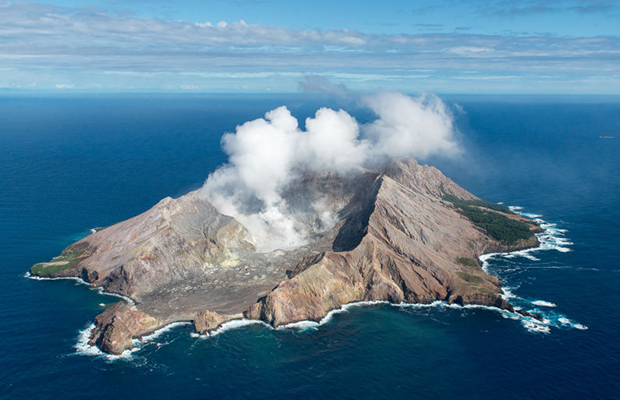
[(488, 217), (68, 258)]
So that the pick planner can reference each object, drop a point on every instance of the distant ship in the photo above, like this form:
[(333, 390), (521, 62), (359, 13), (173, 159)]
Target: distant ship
[(605, 137)]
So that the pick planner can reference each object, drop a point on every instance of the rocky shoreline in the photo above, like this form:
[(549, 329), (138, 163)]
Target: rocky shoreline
[(397, 240)]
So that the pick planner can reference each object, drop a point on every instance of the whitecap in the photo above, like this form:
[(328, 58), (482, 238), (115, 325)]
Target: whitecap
[(103, 292), (83, 348), (552, 238), (531, 324), (157, 333), (507, 293), (531, 215), (234, 324), (567, 322), (522, 253), (58, 278), (543, 303), (81, 281), (535, 327), (301, 325), (484, 260), (437, 303), (307, 324)]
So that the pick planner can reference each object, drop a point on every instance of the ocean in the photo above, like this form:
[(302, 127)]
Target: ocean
[(74, 162)]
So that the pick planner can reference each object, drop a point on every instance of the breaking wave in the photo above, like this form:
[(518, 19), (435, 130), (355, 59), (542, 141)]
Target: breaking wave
[(531, 324), (81, 281), (552, 238), (230, 325), (83, 348), (164, 329), (542, 303)]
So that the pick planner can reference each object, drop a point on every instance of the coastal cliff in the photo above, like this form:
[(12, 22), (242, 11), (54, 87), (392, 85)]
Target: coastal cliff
[(404, 233)]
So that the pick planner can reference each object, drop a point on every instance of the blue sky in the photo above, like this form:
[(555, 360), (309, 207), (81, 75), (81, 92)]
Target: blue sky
[(446, 46)]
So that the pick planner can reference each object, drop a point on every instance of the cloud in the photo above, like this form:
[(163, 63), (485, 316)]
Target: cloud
[(515, 8), (418, 127), (267, 155), (48, 44), (429, 27), (320, 84)]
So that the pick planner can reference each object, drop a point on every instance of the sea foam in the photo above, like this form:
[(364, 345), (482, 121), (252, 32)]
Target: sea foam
[(230, 325), (81, 281), (542, 303), (83, 348), (552, 238)]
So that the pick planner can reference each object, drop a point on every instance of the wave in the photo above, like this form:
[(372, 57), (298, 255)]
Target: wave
[(28, 275), (552, 238), (164, 329), (103, 292), (535, 327), (531, 215), (83, 348), (543, 303), (230, 325), (568, 322), (81, 281), (508, 292), (521, 253), (531, 324)]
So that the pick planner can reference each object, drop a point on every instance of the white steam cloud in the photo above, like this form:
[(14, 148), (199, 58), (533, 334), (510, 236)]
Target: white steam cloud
[(268, 154)]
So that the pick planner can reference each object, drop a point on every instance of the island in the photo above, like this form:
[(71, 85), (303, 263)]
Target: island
[(405, 233)]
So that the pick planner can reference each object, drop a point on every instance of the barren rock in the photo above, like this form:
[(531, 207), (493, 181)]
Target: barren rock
[(396, 239)]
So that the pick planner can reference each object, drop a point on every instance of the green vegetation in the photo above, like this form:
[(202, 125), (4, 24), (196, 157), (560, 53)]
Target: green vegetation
[(65, 261), (483, 290), (468, 262), (459, 203), (469, 278), (487, 216)]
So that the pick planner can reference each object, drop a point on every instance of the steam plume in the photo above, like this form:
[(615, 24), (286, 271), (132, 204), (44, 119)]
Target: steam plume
[(266, 155)]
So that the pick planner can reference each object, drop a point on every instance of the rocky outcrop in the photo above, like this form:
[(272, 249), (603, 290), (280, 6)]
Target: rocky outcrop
[(396, 239), (118, 325), (207, 321)]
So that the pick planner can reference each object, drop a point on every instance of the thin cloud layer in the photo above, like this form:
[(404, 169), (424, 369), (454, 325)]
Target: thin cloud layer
[(43, 45), (529, 7)]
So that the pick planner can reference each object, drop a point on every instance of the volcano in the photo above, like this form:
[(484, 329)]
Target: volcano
[(402, 233)]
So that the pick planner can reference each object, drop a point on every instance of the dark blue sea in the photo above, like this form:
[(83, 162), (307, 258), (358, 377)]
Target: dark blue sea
[(72, 163)]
